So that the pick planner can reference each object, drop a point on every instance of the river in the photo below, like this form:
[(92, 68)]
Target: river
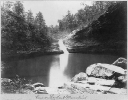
[(53, 70)]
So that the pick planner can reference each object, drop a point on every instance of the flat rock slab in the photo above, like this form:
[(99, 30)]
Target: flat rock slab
[(93, 80), (118, 90), (79, 88)]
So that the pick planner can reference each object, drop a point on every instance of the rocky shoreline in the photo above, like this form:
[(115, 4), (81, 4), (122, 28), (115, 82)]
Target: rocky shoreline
[(30, 54), (84, 50), (97, 79)]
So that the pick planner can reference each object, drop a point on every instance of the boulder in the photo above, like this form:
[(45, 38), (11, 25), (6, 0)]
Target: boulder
[(100, 70), (79, 77), (7, 80), (39, 88), (121, 62), (38, 85), (121, 80)]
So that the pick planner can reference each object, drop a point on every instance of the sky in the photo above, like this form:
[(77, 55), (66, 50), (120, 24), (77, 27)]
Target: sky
[(54, 10)]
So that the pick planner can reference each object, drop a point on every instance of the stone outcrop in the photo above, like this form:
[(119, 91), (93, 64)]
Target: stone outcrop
[(121, 62), (79, 77), (102, 70), (107, 34)]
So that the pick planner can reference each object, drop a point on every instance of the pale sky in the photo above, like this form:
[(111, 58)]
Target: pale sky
[(54, 10)]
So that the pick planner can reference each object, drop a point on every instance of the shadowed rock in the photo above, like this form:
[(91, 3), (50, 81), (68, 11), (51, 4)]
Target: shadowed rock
[(121, 62)]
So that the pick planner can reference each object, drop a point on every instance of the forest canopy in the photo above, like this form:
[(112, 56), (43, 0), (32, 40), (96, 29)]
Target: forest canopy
[(20, 30)]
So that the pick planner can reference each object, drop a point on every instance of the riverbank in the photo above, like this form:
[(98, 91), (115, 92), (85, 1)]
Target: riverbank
[(70, 50), (89, 50), (93, 50), (86, 48), (51, 50)]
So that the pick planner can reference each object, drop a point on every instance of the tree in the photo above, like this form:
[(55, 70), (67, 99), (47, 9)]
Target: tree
[(40, 24), (39, 20), (41, 29), (81, 17), (68, 22), (30, 17), (31, 26), (20, 31), (18, 8), (14, 27), (5, 19)]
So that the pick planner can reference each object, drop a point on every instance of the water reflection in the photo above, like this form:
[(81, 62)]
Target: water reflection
[(57, 76)]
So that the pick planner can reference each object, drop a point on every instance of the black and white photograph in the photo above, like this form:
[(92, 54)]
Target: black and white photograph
[(63, 47)]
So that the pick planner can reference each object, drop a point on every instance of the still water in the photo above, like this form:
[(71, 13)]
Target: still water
[(53, 70)]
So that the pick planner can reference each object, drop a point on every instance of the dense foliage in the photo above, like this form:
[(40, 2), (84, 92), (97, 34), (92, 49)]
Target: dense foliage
[(112, 25), (82, 18), (20, 31)]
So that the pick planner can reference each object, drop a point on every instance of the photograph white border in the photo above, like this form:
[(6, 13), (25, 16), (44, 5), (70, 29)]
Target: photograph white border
[(65, 96)]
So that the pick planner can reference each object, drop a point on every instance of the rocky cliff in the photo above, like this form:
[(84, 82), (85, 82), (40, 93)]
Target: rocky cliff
[(106, 34)]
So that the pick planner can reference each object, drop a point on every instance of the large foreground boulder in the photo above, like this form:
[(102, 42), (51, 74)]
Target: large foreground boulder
[(104, 70), (109, 71)]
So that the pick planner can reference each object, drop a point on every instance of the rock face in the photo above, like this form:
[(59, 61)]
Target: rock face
[(106, 34), (121, 62), (98, 70), (104, 70), (79, 77)]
